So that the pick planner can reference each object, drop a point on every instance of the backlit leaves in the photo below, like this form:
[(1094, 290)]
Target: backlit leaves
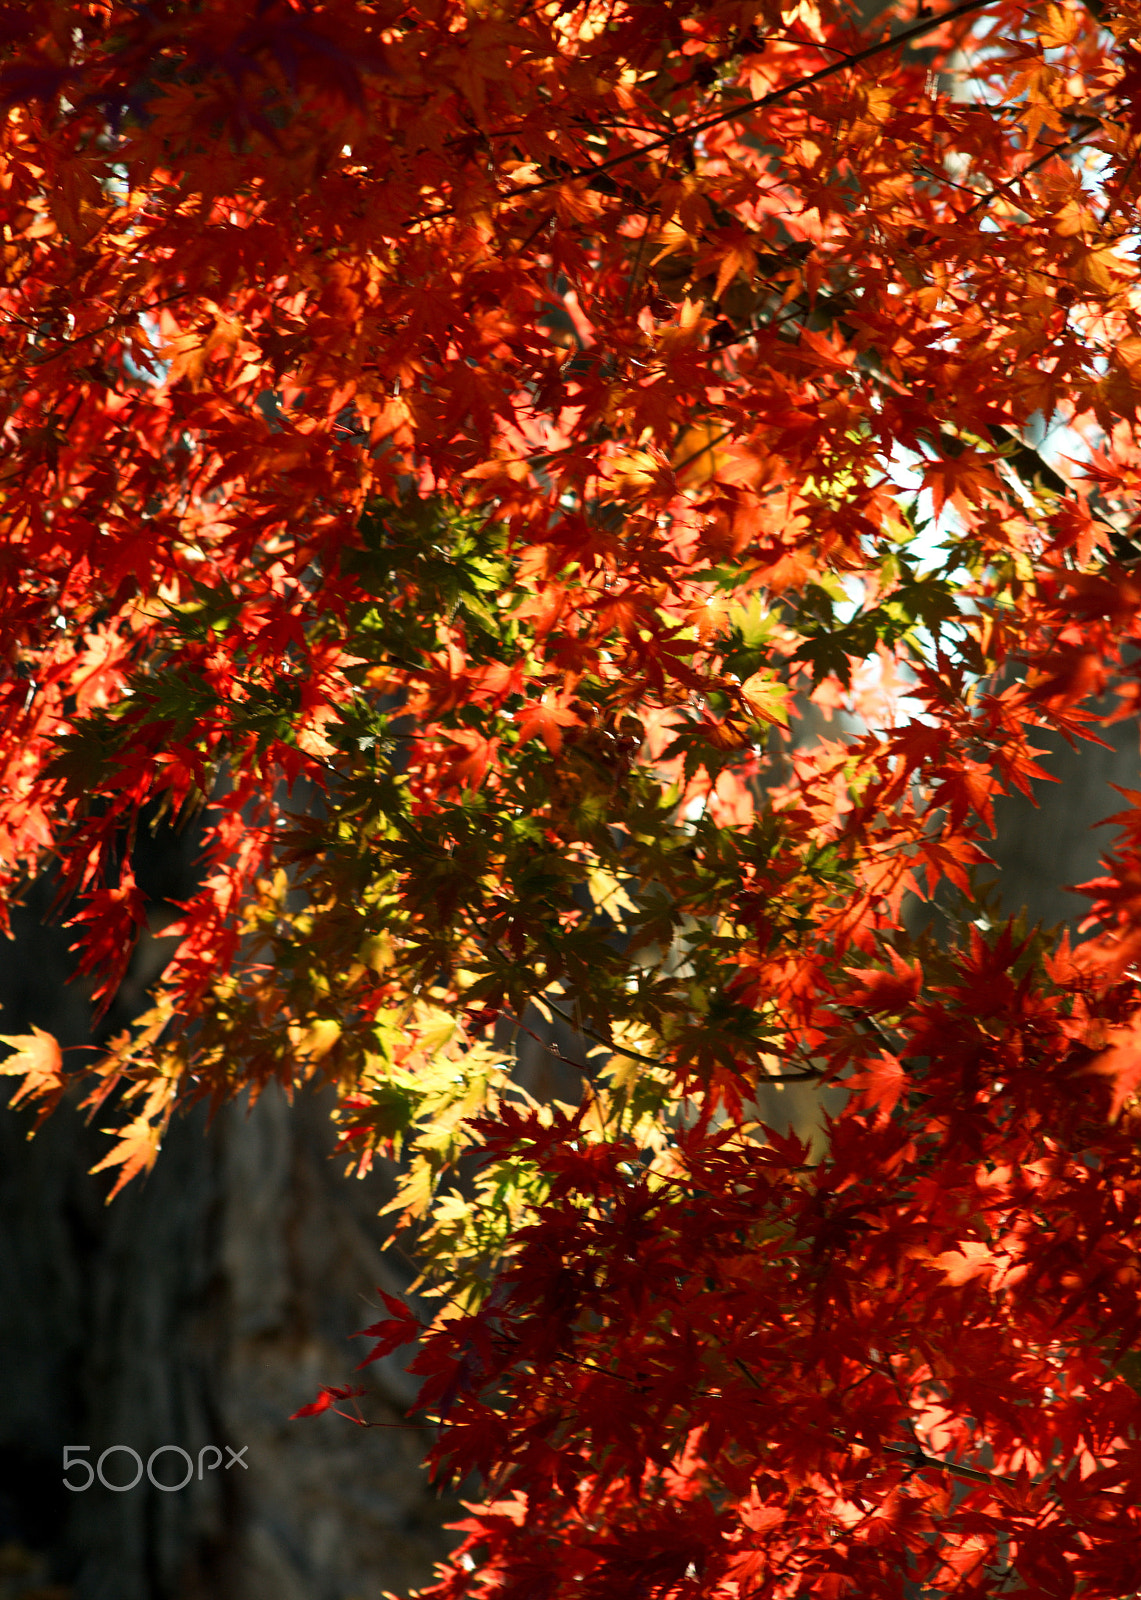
[(587, 507)]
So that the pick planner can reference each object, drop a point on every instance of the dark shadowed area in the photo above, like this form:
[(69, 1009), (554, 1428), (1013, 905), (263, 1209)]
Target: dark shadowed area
[(199, 1310)]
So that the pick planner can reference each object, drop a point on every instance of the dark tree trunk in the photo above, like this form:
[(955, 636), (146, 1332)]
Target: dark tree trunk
[(1043, 850), (200, 1309)]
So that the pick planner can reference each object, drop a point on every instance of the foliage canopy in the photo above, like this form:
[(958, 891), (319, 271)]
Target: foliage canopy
[(452, 449)]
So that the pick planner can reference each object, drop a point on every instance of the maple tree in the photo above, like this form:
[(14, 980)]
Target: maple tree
[(449, 449)]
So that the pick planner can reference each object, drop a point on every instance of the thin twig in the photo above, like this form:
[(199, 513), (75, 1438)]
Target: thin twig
[(914, 1453), (762, 102), (651, 1061), (921, 1461), (1032, 166)]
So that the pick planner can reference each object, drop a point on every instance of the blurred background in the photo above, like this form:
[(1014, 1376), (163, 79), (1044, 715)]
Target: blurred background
[(201, 1308)]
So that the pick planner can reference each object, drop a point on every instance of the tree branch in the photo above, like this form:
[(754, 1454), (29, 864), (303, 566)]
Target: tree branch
[(651, 1061), (762, 102)]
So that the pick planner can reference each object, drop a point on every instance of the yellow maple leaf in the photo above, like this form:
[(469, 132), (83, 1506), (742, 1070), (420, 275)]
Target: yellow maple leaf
[(137, 1150), (765, 698), (39, 1062)]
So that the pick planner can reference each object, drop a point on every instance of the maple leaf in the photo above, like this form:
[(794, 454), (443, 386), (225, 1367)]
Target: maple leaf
[(135, 1152), (887, 991), (401, 1328), (959, 479), (969, 1260), (1120, 1063), (880, 1083), (325, 1401), (38, 1061), (1129, 85), (766, 699), (470, 497), (547, 718)]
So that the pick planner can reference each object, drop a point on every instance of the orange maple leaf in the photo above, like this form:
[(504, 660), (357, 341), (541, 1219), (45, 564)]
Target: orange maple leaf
[(1121, 1064), (547, 718), (39, 1062)]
